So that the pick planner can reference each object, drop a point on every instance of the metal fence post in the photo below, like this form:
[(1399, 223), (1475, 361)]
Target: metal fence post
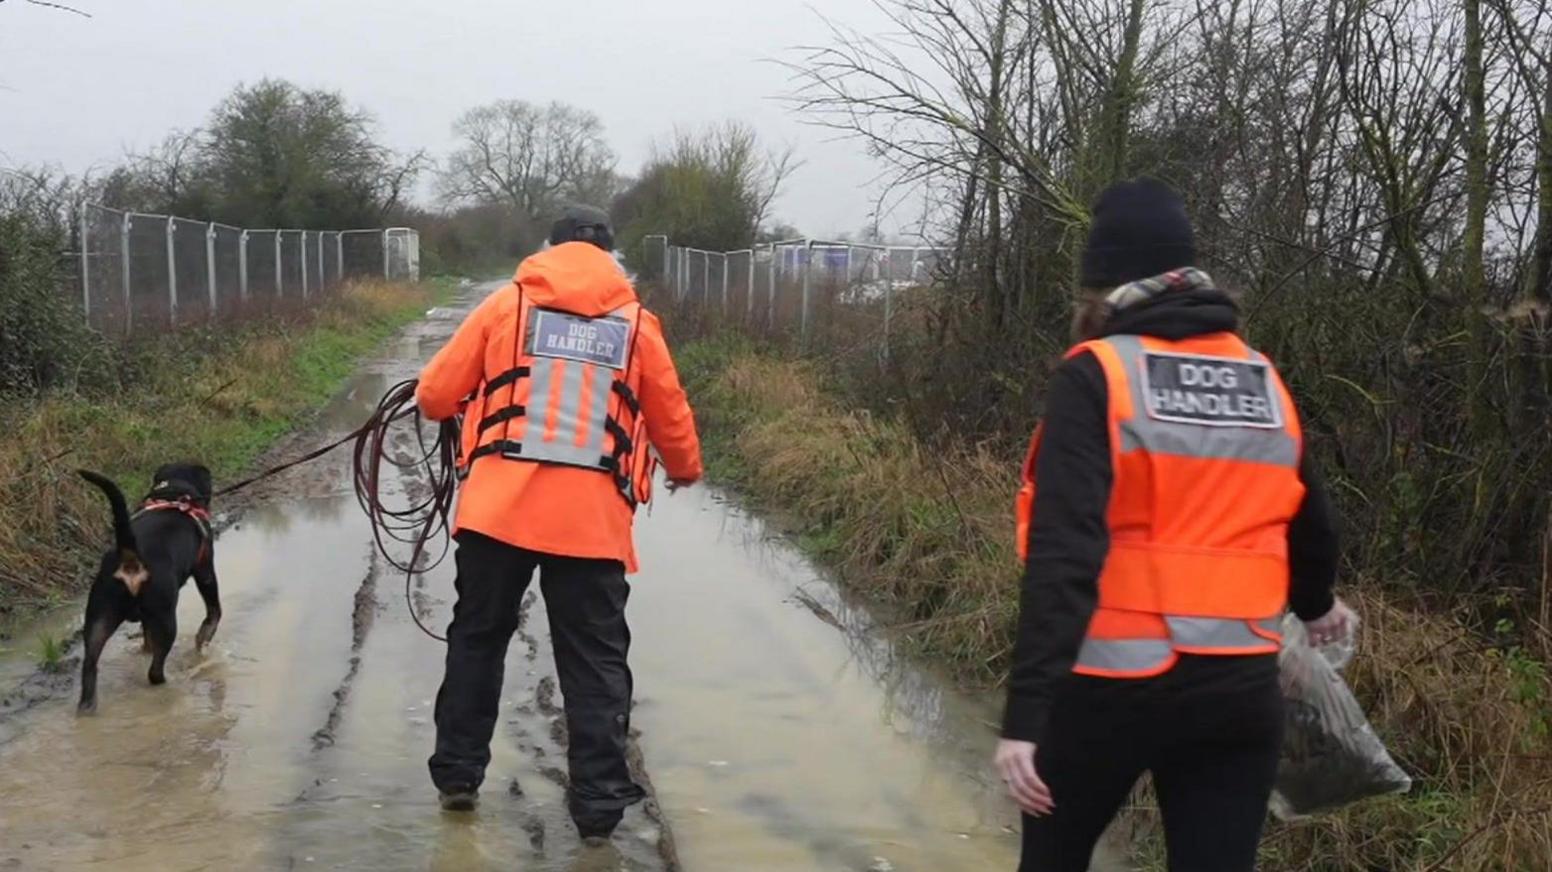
[(770, 294), (210, 266), (129, 308), (668, 255), (808, 273), (172, 270), (724, 285), (749, 295), (323, 277), (339, 251), (889, 295), (301, 255), (915, 259), (86, 285), (242, 266), (385, 255), (705, 275)]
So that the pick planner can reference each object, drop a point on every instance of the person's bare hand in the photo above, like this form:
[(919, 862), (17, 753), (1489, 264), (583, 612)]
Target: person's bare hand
[(1016, 763), (1334, 626), (677, 484)]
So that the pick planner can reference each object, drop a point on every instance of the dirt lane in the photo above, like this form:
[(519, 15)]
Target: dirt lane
[(779, 732)]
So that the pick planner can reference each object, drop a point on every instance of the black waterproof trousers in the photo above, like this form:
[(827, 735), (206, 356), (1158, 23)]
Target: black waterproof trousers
[(585, 601), (1212, 755)]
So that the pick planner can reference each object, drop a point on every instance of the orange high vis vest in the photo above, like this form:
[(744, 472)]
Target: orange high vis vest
[(1205, 446), (566, 398)]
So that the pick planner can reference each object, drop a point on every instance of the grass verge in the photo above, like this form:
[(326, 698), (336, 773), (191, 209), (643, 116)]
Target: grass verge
[(219, 397), (929, 535)]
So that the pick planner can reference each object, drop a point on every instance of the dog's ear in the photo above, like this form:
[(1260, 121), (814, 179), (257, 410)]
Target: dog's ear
[(203, 482)]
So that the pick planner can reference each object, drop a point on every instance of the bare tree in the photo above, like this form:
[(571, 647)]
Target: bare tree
[(528, 157)]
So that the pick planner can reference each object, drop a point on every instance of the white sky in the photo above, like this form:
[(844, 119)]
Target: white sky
[(78, 93)]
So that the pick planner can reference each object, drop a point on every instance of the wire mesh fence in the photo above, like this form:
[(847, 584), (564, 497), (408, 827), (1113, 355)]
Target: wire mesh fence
[(143, 273), (840, 296)]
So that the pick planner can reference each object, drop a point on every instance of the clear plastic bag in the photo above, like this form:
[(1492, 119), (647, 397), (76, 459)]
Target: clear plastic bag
[(1331, 756)]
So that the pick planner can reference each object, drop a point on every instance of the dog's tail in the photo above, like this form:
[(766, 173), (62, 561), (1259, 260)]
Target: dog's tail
[(123, 534)]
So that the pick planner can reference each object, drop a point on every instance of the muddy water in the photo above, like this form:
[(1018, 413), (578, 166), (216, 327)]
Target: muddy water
[(778, 731)]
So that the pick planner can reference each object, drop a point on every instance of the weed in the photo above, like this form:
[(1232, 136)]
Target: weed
[(51, 651)]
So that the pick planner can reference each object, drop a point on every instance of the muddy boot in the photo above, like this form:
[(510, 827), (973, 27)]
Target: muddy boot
[(595, 827), (460, 799)]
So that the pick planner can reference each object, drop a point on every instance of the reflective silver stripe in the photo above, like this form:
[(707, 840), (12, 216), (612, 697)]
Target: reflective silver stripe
[(568, 410), (597, 412), (563, 453), (540, 376), (1220, 633), (1124, 655), (1274, 624), (1140, 432)]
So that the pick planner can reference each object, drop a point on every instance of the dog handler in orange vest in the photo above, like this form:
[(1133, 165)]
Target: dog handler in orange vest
[(565, 384), (1169, 515)]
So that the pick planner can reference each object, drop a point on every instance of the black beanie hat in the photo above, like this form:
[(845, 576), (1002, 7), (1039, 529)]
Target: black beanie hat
[(583, 224), (1140, 230)]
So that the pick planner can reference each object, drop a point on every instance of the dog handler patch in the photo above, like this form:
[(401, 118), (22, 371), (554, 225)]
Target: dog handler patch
[(599, 341), (1212, 391)]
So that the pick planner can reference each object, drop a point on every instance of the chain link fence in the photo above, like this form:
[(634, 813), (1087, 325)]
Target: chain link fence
[(142, 273), (841, 296)]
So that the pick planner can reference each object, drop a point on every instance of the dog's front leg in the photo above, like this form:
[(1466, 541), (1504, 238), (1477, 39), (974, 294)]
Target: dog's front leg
[(205, 580)]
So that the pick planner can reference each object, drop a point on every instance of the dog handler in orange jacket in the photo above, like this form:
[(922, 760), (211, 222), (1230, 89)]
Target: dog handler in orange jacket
[(565, 384), (1169, 515)]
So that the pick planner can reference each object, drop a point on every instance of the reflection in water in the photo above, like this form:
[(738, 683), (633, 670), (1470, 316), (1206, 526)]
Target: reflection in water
[(773, 734)]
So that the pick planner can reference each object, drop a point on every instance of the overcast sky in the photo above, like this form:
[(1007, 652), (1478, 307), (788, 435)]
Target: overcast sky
[(79, 93)]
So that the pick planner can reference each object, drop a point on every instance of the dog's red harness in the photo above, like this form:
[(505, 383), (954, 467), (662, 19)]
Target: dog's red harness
[(191, 510)]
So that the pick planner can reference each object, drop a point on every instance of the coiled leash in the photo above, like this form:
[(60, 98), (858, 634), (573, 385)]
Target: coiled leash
[(424, 519), (424, 522)]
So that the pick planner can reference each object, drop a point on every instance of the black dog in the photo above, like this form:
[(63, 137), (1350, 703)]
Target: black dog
[(155, 553)]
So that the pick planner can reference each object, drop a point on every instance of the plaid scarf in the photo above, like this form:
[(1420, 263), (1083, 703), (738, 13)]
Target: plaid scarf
[(1143, 290)]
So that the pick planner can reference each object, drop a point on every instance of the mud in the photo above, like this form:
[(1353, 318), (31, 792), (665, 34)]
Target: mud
[(366, 606), (775, 726)]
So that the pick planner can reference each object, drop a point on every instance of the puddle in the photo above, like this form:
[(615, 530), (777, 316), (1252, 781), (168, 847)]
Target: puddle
[(777, 733)]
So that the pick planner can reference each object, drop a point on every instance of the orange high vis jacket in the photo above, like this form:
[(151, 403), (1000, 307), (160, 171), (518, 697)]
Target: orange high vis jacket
[(1205, 446), (566, 385)]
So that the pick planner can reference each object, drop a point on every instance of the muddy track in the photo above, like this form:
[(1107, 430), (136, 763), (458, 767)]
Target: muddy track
[(361, 617), (773, 729)]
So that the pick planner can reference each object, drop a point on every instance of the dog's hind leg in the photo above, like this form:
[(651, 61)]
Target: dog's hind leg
[(161, 628), (205, 580), (99, 628)]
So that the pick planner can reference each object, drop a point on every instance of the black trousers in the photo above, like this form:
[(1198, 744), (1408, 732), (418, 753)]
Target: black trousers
[(1213, 757), (585, 600)]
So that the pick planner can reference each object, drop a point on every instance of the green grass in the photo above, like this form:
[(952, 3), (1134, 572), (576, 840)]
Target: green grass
[(51, 651), (220, 397)]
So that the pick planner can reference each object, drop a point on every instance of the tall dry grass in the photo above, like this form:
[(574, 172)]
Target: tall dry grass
[(218, 396), (929, 536)]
